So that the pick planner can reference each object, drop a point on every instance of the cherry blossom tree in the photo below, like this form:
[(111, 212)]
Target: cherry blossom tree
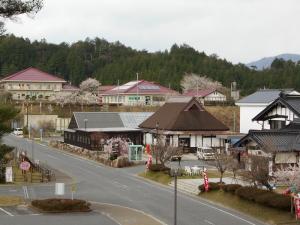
[(90, 85), (194, 81), (289, 176)]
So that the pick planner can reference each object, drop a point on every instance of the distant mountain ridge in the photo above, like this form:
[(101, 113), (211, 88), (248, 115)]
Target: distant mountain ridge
[(266, 62)]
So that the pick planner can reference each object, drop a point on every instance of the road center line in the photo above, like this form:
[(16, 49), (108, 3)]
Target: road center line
[(6, 212)]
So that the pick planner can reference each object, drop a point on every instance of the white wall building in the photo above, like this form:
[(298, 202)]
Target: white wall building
[(252, 105)]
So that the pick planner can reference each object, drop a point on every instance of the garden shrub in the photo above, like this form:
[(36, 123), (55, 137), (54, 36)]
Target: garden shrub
[(61, 205), (265, 197), (158, 167), (280, 201), (211, 187), (249, 193), (231, 187)]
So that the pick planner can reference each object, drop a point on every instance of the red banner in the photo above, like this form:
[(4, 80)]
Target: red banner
[(297, 207), (206, 183), (149, 161)]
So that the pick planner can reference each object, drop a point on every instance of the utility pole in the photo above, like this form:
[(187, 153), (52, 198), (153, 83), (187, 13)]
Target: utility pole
[(137, 87), (234, 125), (175, 199)]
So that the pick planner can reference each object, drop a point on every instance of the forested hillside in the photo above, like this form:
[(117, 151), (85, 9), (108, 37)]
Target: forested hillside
[(109, 62)]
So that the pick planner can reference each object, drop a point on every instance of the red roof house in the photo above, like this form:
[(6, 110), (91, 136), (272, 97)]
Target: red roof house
[(32, 84), (140, 92)]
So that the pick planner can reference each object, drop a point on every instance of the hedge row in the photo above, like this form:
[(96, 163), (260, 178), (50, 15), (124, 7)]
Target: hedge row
[(263, 197), (61, 205)]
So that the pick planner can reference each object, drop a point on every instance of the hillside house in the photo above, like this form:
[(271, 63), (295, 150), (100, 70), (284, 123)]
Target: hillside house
[(140, 92), (206, 95), (33, 84)]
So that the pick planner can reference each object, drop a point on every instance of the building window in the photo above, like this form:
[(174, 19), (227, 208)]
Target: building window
[(277, 124)]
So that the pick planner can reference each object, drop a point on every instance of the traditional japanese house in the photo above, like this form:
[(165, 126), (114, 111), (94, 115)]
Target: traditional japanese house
[(281, 147), (182, 121)]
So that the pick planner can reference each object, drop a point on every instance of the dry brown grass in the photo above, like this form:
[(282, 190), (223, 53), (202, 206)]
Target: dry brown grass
[(226, 115), (10, 200)]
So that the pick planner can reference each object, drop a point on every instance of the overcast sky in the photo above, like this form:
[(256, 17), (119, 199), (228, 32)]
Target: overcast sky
[(238, 30)]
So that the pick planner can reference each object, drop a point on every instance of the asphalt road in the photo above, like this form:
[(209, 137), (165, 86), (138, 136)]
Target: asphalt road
[(96, 182)]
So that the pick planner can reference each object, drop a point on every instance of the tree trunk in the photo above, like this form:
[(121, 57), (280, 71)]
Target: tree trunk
[(221, 177)]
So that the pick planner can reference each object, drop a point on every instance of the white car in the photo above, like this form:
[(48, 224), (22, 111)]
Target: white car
[(18, 131), (205, 153)]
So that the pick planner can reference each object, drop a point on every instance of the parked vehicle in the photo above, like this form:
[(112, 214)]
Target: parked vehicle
[(18, 131), (205, 153)]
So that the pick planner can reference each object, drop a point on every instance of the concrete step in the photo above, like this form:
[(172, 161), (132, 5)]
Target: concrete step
[(186, 187)]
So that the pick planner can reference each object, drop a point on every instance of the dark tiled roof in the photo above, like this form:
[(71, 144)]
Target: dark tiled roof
[(292, 102), (264, 96), (110, 119), (98, 120), (183, 116), (273, 140)]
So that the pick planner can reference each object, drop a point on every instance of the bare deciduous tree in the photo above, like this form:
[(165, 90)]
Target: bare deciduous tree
[(222, 162), (163, 153), (259, 172)]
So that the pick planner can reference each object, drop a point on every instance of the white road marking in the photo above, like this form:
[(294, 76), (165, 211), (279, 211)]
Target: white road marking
[(207, 221), (53, 157), (6, 212)]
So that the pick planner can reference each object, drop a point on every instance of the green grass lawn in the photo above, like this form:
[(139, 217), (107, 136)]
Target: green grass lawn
[(263, 213), (159, 177), (165, 179)]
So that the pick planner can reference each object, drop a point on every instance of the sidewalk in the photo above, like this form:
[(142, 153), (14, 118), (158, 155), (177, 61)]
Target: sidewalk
[(124, 215)]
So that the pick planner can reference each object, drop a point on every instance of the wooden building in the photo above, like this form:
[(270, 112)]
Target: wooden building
[(90, 130)]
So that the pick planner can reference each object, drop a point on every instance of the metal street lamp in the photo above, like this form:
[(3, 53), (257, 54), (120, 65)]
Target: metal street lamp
[(156, 142), (174, 173)]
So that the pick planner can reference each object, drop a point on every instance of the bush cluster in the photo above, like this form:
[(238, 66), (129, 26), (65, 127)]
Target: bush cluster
[(264, 197), (211, 187), (231, 188), (158, 167), (61, 205)]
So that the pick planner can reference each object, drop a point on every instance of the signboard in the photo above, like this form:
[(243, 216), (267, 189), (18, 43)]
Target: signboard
[(8, 174), (59, 188), (297, 207), (206, 183), (133, 98), (25, 166)]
